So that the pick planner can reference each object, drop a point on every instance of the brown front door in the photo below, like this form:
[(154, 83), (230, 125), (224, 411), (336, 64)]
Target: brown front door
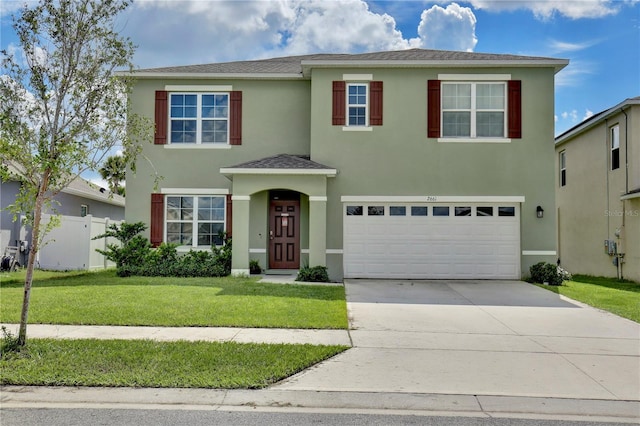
[(284, 230)]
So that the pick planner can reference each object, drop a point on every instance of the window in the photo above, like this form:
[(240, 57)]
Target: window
[(419, 210), (354, 210), (199, 118), (484, 211), (195, 221), (473, 110), (563, 168), (506, 211), (356, 104), (84, 210), (615, 147), (441, 211), (375, 211), (397, 211), (463, 211)]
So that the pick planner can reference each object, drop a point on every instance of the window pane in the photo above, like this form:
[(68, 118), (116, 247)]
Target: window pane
[(455, 124), (375, 211), (397, 211), (506, 211), (490, 96), (484, 211), (463, 211), (184, 106), (440, 211), (490, 124), (357, 116), (419, 210), (456, 96), (354, 210)]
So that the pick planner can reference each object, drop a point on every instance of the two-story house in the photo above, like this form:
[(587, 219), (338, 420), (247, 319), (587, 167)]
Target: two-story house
[(400, 164), (598, 193)]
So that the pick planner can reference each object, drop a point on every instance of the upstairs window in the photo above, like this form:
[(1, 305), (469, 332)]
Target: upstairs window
[(473, 110), (199, 118), (615, 147), (563, 168), (357, 104)]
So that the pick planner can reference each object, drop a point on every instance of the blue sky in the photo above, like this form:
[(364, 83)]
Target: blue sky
[(601, 38)]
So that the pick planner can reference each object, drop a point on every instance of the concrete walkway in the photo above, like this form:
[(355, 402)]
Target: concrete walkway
[(506, 349)]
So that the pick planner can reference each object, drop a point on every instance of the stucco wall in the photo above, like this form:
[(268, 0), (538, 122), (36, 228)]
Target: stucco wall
[(590, 208), (398, 158)]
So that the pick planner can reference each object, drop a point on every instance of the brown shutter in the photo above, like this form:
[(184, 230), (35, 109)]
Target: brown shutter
[(235, 118), (433, 109), (229, 224), (157, 219), (339, 103), (514, 104), (375, 111), (161, 118)]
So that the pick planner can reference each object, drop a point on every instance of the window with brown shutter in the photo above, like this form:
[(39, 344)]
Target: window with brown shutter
[(161, 117), (339, 103), (157, 219), (375, 110), (235, 131)]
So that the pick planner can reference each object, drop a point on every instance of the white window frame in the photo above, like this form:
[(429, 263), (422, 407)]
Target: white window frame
[(199, 119), (562, 162), (194, 220), (366, 104), (473, 110), (615, 145)]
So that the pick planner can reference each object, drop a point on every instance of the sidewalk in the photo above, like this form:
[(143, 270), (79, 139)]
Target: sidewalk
[(208, 334)]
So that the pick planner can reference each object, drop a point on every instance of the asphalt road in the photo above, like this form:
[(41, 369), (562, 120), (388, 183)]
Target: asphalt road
[(96, 417)]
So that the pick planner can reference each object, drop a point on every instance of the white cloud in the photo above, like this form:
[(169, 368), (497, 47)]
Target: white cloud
[(546, 9), (450, 28), (575, 73), (185, 32), (564, 46), (587, 113)]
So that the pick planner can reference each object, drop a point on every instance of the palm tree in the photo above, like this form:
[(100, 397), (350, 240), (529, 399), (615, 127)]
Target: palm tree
[(114, 171)]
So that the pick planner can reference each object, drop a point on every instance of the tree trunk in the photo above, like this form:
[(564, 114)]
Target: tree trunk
[(35, 246)]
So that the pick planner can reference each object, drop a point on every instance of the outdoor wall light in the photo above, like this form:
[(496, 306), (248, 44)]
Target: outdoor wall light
[(539, 212)]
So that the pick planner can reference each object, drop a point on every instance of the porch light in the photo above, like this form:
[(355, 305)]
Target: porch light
[(539, 212)]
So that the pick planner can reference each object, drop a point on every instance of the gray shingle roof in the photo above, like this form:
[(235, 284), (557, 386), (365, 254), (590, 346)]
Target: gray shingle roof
[(295, 64), (282, 161)]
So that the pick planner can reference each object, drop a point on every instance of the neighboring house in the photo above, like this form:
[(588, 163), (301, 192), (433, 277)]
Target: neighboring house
[(402, 164), (79, 199), (598, 193)]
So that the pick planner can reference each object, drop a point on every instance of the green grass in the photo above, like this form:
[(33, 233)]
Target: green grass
[(102, 298), (145, 363), (619, 297)]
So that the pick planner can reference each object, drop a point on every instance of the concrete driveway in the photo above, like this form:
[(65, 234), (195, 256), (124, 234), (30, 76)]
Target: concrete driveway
[(502, 338)]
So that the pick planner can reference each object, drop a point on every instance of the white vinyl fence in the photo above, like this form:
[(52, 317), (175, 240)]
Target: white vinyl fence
[(70, 245)]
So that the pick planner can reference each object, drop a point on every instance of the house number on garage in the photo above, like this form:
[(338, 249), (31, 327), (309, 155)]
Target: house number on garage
[(432, 198)]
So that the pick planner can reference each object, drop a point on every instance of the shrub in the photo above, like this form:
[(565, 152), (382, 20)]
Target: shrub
[(544, 272), (8, 344), (315, 274), (133, 249), (254, 267)]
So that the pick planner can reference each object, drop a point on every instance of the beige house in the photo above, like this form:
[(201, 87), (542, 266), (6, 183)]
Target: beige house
[(598, 193)]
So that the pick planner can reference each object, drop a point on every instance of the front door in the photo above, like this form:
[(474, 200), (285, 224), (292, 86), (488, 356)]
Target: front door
[(284, 234)]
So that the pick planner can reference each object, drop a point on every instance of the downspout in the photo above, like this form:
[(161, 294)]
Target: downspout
[(626, 180)]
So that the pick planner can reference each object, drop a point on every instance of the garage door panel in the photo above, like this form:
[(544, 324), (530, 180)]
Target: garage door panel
[(432, 246)]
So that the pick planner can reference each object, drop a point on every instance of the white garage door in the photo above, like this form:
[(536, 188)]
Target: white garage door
[(432, 241)]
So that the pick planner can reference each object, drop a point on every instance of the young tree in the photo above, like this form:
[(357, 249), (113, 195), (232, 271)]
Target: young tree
[(61, 106), (114, 170)]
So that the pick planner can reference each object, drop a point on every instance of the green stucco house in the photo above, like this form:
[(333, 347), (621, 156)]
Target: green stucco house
[(401, 164)]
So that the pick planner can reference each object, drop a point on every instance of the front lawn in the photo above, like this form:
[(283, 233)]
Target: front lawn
[(619, 297), (146, 363), (102, 298)]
